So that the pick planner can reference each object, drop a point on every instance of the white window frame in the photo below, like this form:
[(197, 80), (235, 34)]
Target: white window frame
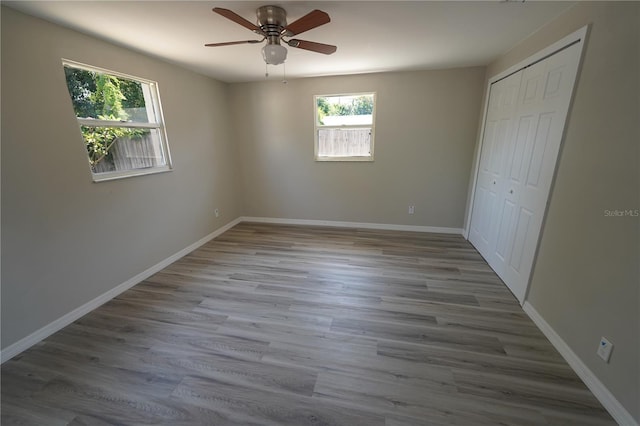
[(317, 126), (154, 112)]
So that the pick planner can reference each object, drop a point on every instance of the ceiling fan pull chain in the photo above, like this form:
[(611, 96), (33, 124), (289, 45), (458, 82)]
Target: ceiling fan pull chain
[(266, 70), (284, 73)]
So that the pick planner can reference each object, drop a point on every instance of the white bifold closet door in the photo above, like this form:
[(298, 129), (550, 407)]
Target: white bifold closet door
[(521, 140)]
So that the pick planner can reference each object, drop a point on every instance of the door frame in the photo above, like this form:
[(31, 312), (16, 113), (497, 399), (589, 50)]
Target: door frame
[(577, 37)]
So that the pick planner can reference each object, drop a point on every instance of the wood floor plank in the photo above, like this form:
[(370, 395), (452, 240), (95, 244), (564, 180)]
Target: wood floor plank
[(419, 334), (475, 361), (528, 392), (28, 411), (353, 360), (295, 380), (402, 401), (269, 408), (303, 325)]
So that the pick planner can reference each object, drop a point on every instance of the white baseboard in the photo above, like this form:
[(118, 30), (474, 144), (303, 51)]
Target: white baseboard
[(599, 390), (606, 398), (341, 224), (41, 334)]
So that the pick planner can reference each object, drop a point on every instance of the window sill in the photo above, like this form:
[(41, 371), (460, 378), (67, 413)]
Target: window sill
[(104, 177), (343, 159)]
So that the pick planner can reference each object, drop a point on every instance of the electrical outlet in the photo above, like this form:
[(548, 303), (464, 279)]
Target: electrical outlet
[(217, 212), (604, 349), (412, 209)]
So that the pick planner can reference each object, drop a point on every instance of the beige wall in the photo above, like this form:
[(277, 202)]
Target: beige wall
[(586, 280), (424, 139), (66, 240)]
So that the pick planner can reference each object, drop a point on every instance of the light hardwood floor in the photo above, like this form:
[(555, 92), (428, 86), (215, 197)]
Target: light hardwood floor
[(290, 325)]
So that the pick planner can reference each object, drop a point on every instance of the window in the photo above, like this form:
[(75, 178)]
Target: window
[(120, 121), (344, 127)]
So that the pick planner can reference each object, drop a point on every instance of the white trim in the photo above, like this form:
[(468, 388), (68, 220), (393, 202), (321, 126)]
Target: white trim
[(41, 334), (599, 390), (94, 122), (467, 228), (104, 177), (151, 91), (44, 332), (578, 36), (87, 67), (342, 224), (321, 159), (317, 126)]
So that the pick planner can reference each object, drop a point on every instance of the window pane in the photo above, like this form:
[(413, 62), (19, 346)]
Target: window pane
[(344, 142), (117, 149), (107, 97), (345, 110)]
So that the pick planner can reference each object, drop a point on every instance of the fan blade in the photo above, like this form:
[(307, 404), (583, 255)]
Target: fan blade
[(237, 19), (309, 21), (327, 49), (229, 43)]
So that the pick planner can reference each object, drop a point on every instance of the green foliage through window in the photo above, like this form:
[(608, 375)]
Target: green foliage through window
[(103, 97), (343, 106)]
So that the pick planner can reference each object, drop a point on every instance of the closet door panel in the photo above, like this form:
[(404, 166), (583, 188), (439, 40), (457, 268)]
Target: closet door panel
[(545, 108), (503, 97), (523, 131)]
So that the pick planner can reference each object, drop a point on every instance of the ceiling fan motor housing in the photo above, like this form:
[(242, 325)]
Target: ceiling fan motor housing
[(272, 21)]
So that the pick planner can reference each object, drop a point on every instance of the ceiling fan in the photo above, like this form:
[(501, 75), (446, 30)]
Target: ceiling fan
[(272, 26)]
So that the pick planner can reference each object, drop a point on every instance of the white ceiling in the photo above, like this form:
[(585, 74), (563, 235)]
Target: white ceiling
[(371, 36)]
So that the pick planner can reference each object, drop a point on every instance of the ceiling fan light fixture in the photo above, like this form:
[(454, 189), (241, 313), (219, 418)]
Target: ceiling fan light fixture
[(274, 54)]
